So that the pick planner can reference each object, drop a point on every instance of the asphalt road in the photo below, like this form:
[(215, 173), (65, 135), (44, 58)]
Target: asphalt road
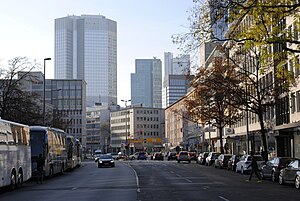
[(150, 181)]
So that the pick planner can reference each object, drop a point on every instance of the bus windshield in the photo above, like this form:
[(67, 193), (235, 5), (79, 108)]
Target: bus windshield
[(37, 139)]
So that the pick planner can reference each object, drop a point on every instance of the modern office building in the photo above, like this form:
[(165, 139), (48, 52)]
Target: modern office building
[(86, 49), (137, 128), (65, 99), (146, 83), (175, 82)]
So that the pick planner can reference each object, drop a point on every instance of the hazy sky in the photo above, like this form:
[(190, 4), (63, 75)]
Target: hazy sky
[(144, 28)]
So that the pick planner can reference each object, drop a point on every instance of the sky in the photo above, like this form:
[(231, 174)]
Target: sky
[(144, 30)]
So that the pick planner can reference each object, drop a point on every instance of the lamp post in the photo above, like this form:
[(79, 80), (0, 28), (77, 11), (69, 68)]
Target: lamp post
[(44, 101), (126, 134)]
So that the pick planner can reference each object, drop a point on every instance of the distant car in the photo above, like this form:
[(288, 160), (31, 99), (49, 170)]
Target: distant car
[(158, 156), (202, 158), (114, 155), (172, 156), (231, 165), (193, 155), (97, 154), (141, 156), (106, 160), (291, 174), (222, 161), (184, 156), (212, 156), (244, 165), (272, 167)]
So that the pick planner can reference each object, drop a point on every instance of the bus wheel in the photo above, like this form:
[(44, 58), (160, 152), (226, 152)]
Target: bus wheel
[(20, 179), (13, 180)]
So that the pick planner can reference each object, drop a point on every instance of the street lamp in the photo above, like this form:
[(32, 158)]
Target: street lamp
[(44, 101), (126, 123)]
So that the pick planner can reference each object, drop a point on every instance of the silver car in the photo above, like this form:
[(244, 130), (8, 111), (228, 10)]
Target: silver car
[(244, 165)]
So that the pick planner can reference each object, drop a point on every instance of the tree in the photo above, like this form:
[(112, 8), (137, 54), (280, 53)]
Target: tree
[(260, 43), (16, 104), (210, 100)]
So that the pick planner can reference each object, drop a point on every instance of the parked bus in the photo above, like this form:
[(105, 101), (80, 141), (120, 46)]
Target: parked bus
[(74, 152), (15, 154), (51, 144)]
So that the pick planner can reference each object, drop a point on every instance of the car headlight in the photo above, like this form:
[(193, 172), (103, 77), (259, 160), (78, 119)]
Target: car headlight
[(100, 161), (112, 161)]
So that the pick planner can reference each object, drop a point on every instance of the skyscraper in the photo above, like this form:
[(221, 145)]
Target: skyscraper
[(86, 48), (146, 83), (175, 82)]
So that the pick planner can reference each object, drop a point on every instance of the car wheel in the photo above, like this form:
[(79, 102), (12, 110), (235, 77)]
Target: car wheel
[(178, 161), (280, 179), (273, 176), (189, 161), (297, 182)]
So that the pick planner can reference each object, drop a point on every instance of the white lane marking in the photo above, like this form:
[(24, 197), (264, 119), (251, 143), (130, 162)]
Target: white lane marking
[(178, 175), (223, 198), (172, 172), (136, 178), (188, 180)]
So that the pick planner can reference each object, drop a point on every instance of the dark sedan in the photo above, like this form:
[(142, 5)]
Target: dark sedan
[(158, 156), (106, 160), (172, 156), (291, 174), (272, 167)]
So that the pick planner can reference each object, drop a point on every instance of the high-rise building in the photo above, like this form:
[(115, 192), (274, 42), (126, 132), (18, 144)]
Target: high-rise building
[(86, 48), (146, 83), (175, 84)]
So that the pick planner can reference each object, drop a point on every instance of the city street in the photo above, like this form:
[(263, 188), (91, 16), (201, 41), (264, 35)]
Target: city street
[(151, 181)]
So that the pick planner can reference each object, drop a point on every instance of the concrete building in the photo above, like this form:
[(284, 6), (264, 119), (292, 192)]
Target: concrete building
[(86, 49), (137, 128), (98, 128), (146, 83)]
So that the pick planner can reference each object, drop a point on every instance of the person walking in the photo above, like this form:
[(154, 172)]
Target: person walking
[(40, 168), (254, 168)]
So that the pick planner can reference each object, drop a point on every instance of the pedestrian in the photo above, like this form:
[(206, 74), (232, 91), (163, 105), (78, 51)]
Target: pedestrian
[(254, 168), (40, 168)]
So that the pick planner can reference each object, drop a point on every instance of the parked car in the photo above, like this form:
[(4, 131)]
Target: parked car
[(291, 174), (222, 161), (244, 165), (172, 156), (272, 167), (202, 158), (231, 165), (212, 156), (158, 156), (106, 160), (193, 155), (97, 154), (142, 156), (184, 156)]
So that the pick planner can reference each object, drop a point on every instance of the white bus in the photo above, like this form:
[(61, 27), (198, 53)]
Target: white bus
[(74, 152), (15, 154), (51, 144)]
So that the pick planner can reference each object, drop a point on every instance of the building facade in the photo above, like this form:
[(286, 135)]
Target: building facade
[(64, 99), (137, 128), (86, 49), (175, 82), (146, 83)]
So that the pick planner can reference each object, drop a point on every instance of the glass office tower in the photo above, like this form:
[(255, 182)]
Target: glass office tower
[(86, 48)]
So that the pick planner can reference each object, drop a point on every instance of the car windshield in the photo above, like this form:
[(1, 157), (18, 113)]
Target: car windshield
[(106, 157)]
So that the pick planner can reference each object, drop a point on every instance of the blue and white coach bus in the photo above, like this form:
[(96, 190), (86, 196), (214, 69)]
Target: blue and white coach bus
[(15, 154)]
